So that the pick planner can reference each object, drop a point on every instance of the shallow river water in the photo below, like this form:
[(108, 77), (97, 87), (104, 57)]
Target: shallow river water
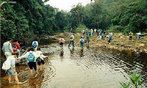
[(90, 68)]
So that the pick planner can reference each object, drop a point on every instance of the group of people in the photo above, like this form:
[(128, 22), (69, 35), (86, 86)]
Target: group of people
[(34, 57), (85, 37), (131, 35)]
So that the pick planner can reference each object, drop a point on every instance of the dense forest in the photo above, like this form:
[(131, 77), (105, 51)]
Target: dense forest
[(33, 17)]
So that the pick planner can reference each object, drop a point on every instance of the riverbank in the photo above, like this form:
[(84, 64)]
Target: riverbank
[(119, 42)]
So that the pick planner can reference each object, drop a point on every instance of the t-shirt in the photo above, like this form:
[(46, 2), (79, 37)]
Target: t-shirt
[(72, 37), (12, 61), (27, 54), (61, 40), (7, 47), (138, 33), (40, 54)]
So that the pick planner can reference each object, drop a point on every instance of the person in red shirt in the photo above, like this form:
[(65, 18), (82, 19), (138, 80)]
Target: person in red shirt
[(16, 47)]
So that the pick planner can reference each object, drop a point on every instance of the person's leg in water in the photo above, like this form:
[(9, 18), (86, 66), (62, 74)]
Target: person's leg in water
[(9, 79), (39, 65), (130, 38), (73, 43), (31, 68), (35, 68), (69, 43), (13, 73), (109, 40), (16, 79), (43, 64)]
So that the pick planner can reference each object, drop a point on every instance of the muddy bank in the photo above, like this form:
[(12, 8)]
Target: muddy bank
[(119, 42)]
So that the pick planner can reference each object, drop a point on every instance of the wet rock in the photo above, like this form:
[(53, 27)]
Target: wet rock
[(141, 45)]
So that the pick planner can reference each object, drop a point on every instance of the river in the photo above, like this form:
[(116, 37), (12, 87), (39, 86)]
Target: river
[(90, 68)]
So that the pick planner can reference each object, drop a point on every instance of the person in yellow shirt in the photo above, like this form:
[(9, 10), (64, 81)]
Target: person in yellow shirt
[(130, 35)]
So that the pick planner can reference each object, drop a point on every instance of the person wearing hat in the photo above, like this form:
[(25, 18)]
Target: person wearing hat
[(7, 48)]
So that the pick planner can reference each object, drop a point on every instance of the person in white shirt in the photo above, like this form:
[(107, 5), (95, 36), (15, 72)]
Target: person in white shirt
[(7, 48), (71, 40), (91, 32), (138, 35), (61, 42), (31, 58), (12, 70), (40, 58)]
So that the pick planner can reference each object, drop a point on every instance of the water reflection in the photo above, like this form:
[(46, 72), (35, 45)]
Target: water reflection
[(71, 50), (61, 52), (88, 46), (81, 53)]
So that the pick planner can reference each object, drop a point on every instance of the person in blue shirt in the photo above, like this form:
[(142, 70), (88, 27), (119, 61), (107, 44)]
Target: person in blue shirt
[(82, 42), (87, 39)]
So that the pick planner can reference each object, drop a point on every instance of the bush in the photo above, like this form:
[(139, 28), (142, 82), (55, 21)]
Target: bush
[(80, 28), (116, 28)]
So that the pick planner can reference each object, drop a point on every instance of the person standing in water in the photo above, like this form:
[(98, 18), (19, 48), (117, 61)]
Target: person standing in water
[(81, 43), (91, 32), (87, 39), (12, 70), (138, 35), (110, 37), (61, 42), (71, 40), (7, 48), (130, 35), (40, 59), (31, 58)]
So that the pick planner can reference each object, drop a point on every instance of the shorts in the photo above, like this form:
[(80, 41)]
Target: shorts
[(81, 44), (7, 54), (40, 62), (61, 44), (11, 72), (32, 65)]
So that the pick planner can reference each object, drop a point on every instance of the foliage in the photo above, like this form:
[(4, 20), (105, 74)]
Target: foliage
[(136, 80), (124, 85), (116, 28), (80, 28)]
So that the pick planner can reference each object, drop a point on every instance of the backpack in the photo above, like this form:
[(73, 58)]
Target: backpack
[(39, 59), (31, 57), (14, 46), (38, 54), (71, 37), (6, 65), (34, 44), (82, 41)]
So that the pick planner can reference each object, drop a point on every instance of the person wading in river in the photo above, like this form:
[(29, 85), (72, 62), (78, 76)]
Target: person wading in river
[(87, 39), (31, 58), (12, 70), (130, 35), (61, 42), (71, 40), (7, 48), (110, 37), (40, 59), (16, 47), (81, 43)]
